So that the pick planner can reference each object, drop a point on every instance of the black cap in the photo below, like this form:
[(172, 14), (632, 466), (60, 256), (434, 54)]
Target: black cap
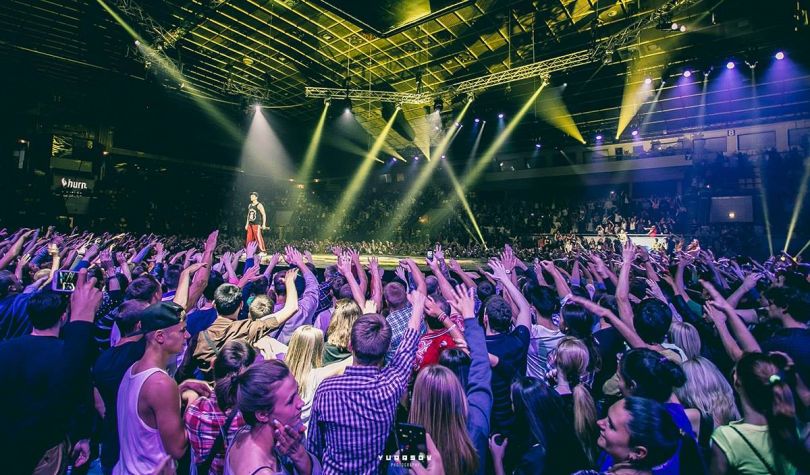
[(160, 315)]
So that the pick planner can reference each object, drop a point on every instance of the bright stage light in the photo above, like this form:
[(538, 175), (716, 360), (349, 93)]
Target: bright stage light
[(137, 42), (537, 145), (500, 116), (444, 156), (257, 107), (780, 55), (674, 26), (416, 158), (730, 65), (634, 133), (599, 137), (477, 120), (687, 73), (312, 148), (682, 28), (732, 215), (648, 80)]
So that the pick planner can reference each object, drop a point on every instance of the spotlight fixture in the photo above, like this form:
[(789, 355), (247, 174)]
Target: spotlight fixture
[(257, 107), (456, 124), (674, 26), (598, 136), (780, 55), (687, 73), (477, 120), (730, 65), (537, 145), (732, 214), (327, 101), (137, 42), (399, 106), (443, 157), (634, 133), (682, 28), (752, 64), (416, 158), (438, 104), (500, 116), (648, 80)]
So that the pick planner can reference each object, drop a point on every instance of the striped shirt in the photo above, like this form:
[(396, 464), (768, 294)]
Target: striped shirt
[(352, 414)]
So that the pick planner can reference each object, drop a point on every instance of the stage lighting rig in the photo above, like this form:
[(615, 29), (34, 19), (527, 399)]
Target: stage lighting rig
[(438, 104)]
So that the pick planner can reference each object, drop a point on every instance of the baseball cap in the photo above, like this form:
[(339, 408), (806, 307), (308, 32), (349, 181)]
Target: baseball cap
[(161, 315)]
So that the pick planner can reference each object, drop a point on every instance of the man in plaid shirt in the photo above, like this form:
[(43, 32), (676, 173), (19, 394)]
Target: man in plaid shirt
[(353, 414)]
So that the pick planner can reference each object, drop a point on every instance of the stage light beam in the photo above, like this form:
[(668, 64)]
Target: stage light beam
[(347, 201), (312, 149), (422, 179), (797, 207)]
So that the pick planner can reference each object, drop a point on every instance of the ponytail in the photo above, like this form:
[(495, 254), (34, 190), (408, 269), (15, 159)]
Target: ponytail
[(768, 393), (232, 359), (585, 421)]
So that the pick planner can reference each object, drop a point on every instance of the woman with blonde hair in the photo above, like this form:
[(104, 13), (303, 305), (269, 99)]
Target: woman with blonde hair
[(707, 398), (339, 331), (305, 360), (456, 417), (686, 337), (572, 360)]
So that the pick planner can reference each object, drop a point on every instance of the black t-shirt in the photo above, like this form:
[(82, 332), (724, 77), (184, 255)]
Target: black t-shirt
[(254, 215), (796, 343), (108, 372), (609, 343), (511, 349), (46, 383)]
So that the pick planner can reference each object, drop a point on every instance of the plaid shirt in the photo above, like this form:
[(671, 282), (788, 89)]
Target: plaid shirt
[(204, 421), (398, 320), (352, 414)]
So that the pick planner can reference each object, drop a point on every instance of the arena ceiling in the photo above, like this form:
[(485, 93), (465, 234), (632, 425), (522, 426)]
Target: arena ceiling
[(240, 51)]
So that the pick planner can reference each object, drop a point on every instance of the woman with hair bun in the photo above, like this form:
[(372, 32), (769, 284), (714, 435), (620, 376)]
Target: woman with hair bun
[(207, 417), (638, 435), (646, 373), (272, 440), (766, 440)]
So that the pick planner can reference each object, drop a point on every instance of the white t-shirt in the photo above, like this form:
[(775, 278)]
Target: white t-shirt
[(541, 342)]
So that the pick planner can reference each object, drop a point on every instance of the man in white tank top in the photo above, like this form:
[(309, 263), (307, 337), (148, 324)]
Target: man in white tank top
[(150, 426)]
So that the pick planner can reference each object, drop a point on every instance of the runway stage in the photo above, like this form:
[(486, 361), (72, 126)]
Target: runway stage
[(386, 262)]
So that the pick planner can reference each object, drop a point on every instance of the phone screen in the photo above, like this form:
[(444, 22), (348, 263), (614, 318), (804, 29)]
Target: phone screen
[(412, 443), (65, 281), (430, 255)]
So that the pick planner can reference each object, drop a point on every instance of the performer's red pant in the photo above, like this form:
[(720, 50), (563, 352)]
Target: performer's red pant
[(254, 233)]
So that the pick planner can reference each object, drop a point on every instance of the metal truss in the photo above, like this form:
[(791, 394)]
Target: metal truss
[(247, 90), (542, 69), (604, 50), (161, 36), (371, 95)]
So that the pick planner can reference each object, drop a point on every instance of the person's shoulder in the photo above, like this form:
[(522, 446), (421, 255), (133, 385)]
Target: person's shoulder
[(522, 333), (159, 387)]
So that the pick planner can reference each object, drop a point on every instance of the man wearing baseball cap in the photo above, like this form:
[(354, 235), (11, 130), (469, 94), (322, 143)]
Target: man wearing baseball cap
[(150, 426)]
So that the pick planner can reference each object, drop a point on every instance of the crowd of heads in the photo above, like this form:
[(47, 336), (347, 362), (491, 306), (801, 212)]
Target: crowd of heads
[(208, 358)]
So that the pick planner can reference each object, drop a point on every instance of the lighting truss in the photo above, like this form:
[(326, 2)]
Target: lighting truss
[(247, 90), (631, 32), (365, 94), (543, 68), (161, 36)]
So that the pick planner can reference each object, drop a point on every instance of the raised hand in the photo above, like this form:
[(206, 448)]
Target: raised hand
[(628, 251), (463, 301), (499, 271), (274, 260), (714, 314), (250, 250), (718, 300), (438, 253), (369, 307), (344, 265), (85, 299), (455, 266), (336, 250), (106, 261), (293, 257), (211, 242), (290, 276), (374, 266)]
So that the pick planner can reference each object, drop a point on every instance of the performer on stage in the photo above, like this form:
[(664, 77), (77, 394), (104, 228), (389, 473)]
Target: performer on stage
[(256, 221)]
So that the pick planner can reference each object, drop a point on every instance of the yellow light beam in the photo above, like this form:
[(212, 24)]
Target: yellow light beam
[(552, 109), (460, 194), (347, 200), (635, 94), (765, 212), (422, 179), (802, 249), (169, 68), (797, 207), (312, 149), (478, 168)]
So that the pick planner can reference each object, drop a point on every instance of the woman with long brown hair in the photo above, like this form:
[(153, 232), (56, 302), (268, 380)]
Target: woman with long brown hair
[(572, 360)]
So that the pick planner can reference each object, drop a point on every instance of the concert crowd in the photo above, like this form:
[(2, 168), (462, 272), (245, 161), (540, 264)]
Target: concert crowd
[(145, 354)]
